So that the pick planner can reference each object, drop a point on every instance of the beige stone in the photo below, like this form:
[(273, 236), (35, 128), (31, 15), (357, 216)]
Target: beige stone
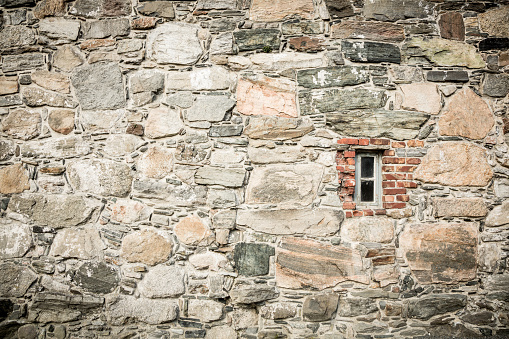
[(499, 216), (156, 162), (8, 85), (148, 247), (494, 22), (81, 243), (302, 263), (421, 97), (223, 331), (465, 207), (67, 58), (15, 239), (280, 62), (163, 122), (455, 163), (267, 96), (370, 30), (13, 179), (205, 310), (24, 124), (466, 115), (276, 128), (276, 10), (129, 211), (368, 229), (441, 253), (61, 120), (52, 81), (192, 231), (46, 8), (286, 154)]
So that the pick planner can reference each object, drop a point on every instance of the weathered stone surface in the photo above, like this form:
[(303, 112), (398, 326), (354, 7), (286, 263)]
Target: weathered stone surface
[(15, 36), (496, 85), (201, 79), (278, 310), (8, 85), (223, 331), (465, 207), (178, 195), (250, 294), (66, 147), (310, 264), (367, 51), (442, 52), (441, 253), (316, 222), (205, 310), (228, 177), (163, 122), (15, 279), (371, 30), (129, 211), (61, 120), (148, 247), (399, 125), (452, 26), (421, 97), (192, 231), (393, 10), (494, 22), (502, 188), (103, 177), (368, 229), (338, 76), (33, 96), (162, 9), (447, 76), (286, 61), (353, 307), (276, 128), (146, 23), (209, 260), (105, 28), (285, 185), (210, 108), (219, 198), (293, 27), (428, 306), (146, 80), (499, 216), (15, 239), (252, 259), (23, 62), (96, 277), (225, 130), (80, 243), (67, 58), (54, 210), (156, 162), (10, 100), (258, 38), (266, 10), (334, 100), (59, 28), (282, 154), (52, 81), (163, 281), (262, 95), (7, 149), (22, 124), (46, 8), (307, 44), (174, 43), (222, 44), (320, 307), (216, 4), (122, 309), (99, 86), (224, 219), (13, 179), (101, 8)]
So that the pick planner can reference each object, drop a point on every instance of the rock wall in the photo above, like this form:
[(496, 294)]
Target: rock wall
[(187, 169)]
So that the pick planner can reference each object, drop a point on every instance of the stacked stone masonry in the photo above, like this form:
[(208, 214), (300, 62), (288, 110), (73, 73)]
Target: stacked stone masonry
[(186, 168)]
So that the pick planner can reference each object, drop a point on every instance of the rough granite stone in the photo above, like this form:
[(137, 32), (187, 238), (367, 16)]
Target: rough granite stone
[(47, 8), (13, 179), (393, 10), (23, 62), (255, 293), (156, 162), (66, 147), (15, 279), (494, 21), (499, 216), (163, 281), (15, 36), (174, 43), (105, 28), (97, 277), (15, 239), (36, 97), (428, 306), (148, 247), (101, 8), (463, 207), (368, 230), (421, 97), (205, 310), (81, 243), (123, 308), (24, 124), (163, 122), (337, 100), (212, 108), (496, 85)]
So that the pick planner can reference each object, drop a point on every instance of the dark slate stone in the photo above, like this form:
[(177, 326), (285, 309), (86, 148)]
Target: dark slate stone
[(196, 334), (332, 76), (101, 8), (23, 62), (431, 305), (496, 85), (193, 323), (9, 329), (335, 100), (320, 307), (447, 76), (6, 307), (259, 38), (339, 8), (10, 100), (17, 3), (367, 51), (453, 331), (252, 259), (399, 125), (353, 307), (225, 130), (97, 277), (393, 10), (494, 43), (479, 318)]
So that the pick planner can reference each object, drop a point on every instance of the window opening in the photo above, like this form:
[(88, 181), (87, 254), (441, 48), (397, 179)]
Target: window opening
[(368, 179)]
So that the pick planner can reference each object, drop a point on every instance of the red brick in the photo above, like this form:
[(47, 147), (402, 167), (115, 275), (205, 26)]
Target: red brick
[(402, 198), (350, 161), (349, 154), (390, 205), (398, 144), (349, 183), (340, 168), (364, 142), (341, 161), (348, 214), (386, 160), (393, 191), (380, 212), (388, 168), (358, 213), (393, 176), (348, 141), (386, 184), (415, 143), (410, 176), (368, 212), (407, 184), (413, 161), (348, 205), (379, 141), (388, 198), (405, 168), (389, 152)]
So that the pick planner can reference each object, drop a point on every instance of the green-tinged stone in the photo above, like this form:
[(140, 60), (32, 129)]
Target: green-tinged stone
[(336, 100), (252, 259), (332, 76), (253, 39)]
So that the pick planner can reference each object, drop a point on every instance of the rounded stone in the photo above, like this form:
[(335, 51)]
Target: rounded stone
[(61, 121), (147, 246)]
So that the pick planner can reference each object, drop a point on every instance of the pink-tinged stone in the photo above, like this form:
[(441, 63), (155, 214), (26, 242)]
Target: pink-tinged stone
[(466, 115), (455, 163), (61, 121), (52, 81), (8, 85), (276, 10), (421, 97), (129, 211), (370, 30), (148, 247), (13, 179), (22, 124), (441, 253), (494, 22), (452, 26), (192, 231), (465, 207), (307, 44), (267, 96), (302, 263), (96, 43), (156, 162), (144, 23)]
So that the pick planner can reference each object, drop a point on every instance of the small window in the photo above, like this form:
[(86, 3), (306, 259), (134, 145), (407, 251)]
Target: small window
[(368, 179)]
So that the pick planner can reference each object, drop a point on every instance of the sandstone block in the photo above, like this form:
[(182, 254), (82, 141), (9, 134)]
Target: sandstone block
[(13, 179), (162, 282), (368, 229), (465, 207), (255, 293), (49, 8), (174, 43), (156, 162), (52, 81), (122, 309), (162, 9), (81, 243), (129, 211), (276, 128), (307, 44), (67, 58), (452, 26), (421, 97), (163, 122), (8, 85), (265, 10), (22, 124), (192, 231), (209, 260), (148, 247)]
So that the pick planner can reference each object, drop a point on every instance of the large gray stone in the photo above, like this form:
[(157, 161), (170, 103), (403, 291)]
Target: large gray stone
[(228, 177), (253, 293), (332, 76), (353, 307), (258, 38), (122, 309), (101, 8), (162, 9), (430, 305), (15, 239), (320, 307), (99, 86), (15, 279), (7, 149), (277, 128), (210, 108), (336, 100), (162, 282), (399, 125), (23, 62), (105, 28), (10, 100), (367, 51), (81, 243), (205, 310), (252, 259), (496, 85), (66, 147), (97, 277), (15, 36), (465, 207), (393, 10), (59, 28)]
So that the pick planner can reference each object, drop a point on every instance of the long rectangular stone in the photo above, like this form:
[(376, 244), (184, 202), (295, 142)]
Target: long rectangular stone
[(22, 62), (447, 76), (253, 39), (332, 76), (336, 100), (367, 51), (228, 177)]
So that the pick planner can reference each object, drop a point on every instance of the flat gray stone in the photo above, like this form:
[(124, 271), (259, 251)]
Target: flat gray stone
[(228, 177), (123, 308), (101, 8), (15, 279), (320, 307), (338, 76), (162, 282), (15, 36), (427, 306), (367, 51), (210, 108), (59, 28), (162, 9), (80, 243), (353, 307), (15, 239), (336, 100), (277, 128), (66, 147), (36, 97), (393, 10), (105, 28), (10, 100), (24, 124), (23, 62), (250, 294), (499, 216), (258, 38)]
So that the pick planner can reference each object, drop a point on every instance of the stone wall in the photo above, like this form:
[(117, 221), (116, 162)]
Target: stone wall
[(186, 169)]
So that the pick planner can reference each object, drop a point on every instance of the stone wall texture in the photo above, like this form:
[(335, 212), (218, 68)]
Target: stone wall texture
[(187, 169)]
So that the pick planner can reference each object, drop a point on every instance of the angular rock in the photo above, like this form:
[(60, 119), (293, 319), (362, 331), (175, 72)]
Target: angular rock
[(337, 76), (353, 307), (178, 195), (441, 253), (465, 207), (105, 28), (67, 58), (17, 3), (66, 147), (250, 294), (223, 331), (192, 231), (228, 177), (35, 97), (452, 26), (52, 81), (147, 81), (15, 279), (367, 51), (162, 282), (428, 306), (99, 86), (224, 219), (368, 229), (97, 277), (147, 247), (262, 95), (101, 8), (81, 243), (293, 27), (15, 36), (123, 309), (102, 120), (370, 30), (306, 44), (210, 108), (494, 21), (61, 121), (59, 28), (46, 8), (281, 154), (129, 211), (257, 38), (201, 79), (121, 144), (252, 259), (10, 100), (163, 122), (23, 62), (304, 263), (15, 239), (156, 162), (13, 179), (219, 198), (278, 311), (421, 97), (320, 307), (209, 260), (205, 310), (7, 149), (8, 85), (286, 61), (499, 216), (225, 130), (22, 124), (162, 9), (276, 128), (394, 10), (102, 177), (174, 43), (339, 8), (496, 85), (222, 44), (447, 76), (399, 125), (334, 100), (266, 10)]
